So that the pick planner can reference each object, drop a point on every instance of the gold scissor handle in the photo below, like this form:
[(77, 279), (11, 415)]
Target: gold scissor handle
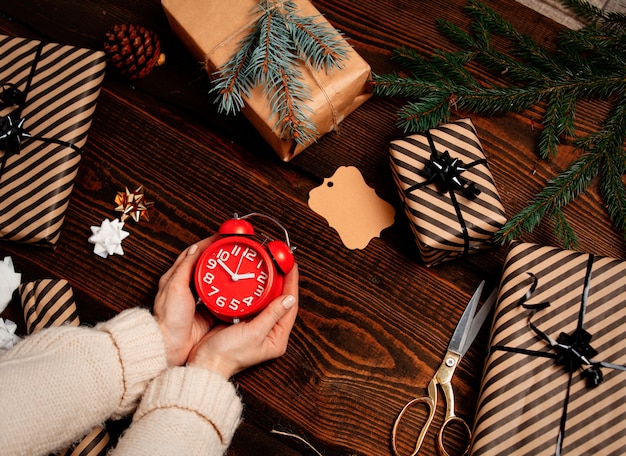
[(443, 378), (453, 419), (431, 403)]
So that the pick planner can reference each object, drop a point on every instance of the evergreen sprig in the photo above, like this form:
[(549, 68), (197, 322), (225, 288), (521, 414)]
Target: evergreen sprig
[(589, 63), (271, 57)]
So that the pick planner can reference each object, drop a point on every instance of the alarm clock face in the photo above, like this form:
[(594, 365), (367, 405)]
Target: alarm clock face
[(236, 278)]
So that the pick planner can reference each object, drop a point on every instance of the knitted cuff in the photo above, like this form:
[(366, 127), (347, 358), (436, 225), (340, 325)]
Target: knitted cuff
[(199, 391), (141, 352)]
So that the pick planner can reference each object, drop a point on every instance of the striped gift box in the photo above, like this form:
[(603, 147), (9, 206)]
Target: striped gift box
[(554, 382), (43, 132), (448, 192)]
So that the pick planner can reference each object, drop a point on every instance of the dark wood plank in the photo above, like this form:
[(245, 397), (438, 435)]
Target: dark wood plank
[(374, 323)]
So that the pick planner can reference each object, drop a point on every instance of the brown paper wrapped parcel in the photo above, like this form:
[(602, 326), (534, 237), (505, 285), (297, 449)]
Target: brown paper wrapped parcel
[(554, 381), (44, 127), (212, 29), (455, 211)]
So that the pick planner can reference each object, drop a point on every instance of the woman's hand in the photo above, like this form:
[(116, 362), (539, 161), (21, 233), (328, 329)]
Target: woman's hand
[(228, 350), (175, 306)]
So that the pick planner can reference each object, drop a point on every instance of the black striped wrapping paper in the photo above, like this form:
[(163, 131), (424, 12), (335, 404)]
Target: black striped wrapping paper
[(61, 84), (530, 405), (47, 303), (434, 217)]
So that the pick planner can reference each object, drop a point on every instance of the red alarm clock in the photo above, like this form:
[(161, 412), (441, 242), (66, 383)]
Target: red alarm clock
[(237, 276)]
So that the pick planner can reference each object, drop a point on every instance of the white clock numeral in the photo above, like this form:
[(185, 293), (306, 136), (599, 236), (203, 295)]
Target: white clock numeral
[(223, 255), (249, 254), (259, 291), (234, 304), (262, 277), (236, 250), (248, 301), (260, 264), (208, 278), (211, 263), (214, 290)]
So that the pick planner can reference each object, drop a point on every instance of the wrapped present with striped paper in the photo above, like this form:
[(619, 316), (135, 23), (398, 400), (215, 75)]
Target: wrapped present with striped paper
[(48, 95), (449, 194), (555, 381)]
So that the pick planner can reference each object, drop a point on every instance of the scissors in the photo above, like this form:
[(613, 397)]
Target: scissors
[(463, 336)]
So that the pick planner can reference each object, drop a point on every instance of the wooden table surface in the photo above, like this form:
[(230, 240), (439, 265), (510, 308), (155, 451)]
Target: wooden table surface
[(373, 323)]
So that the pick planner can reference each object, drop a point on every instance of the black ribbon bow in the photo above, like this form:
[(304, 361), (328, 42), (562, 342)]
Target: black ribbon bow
[(445, 172), (574, 350), (11, 135), (10, 95)]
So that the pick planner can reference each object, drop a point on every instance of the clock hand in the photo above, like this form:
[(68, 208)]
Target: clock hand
[(247, 275), (239, 264), (232, 275)]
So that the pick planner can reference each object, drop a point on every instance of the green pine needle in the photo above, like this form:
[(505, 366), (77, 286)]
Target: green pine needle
[(271, 57), (557, 193), (589, 64)]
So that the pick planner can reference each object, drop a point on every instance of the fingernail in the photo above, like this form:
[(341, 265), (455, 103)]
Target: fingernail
[(288, 302), (193, 249)]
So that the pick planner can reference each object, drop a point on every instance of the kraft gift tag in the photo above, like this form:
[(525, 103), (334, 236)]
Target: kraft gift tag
[(351, 207)]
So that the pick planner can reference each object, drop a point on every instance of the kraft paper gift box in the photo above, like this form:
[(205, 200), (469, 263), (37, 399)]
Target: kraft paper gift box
[(47, 99), (212, 30), (449, 194), (554, 381)]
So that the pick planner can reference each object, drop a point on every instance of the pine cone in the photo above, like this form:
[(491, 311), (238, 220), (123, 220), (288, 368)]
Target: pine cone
[(133, 50)]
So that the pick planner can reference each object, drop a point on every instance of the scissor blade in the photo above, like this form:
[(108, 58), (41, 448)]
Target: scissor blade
[(457, 342), (479, 320)]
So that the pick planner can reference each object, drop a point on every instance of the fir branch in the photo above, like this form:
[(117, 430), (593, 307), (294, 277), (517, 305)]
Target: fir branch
[(455, 34), (584, 10), (270, 56), (615, 21), (563, 230), (590, 64), (528, 57), (559, 121), (612, 187), (443, 67), (232, 84), (557, 193), (286, 100), (399, 87), (487, 22), (318, 43), (281, 79), (422, 114), (498, 100)]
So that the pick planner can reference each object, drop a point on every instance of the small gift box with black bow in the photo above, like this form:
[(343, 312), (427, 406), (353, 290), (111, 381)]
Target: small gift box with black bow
[(555, 379), (48, 95), (449, 194)]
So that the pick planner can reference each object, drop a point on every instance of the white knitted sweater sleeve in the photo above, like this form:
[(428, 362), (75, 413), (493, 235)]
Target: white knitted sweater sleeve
[(185, 410), (59, 383)]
